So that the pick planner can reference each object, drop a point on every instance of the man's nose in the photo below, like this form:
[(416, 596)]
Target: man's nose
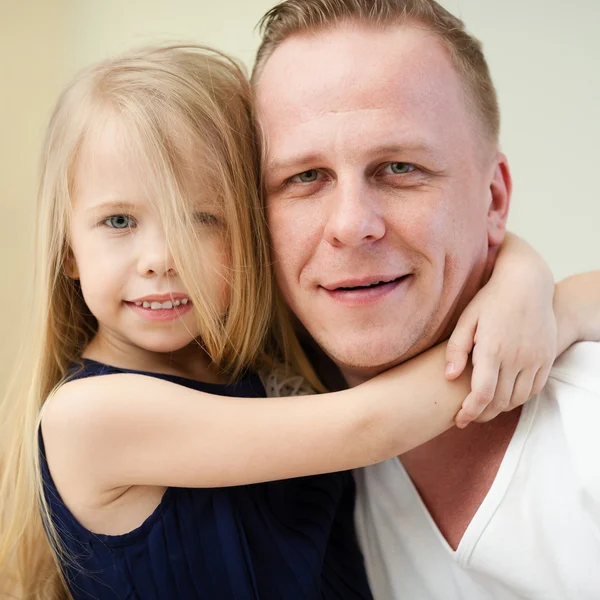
[(354, 215), (155, 258)]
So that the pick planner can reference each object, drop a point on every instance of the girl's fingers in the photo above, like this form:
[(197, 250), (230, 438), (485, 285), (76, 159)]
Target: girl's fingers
[(540, 380), (502, 397), (504, 390), (522, 389), (460, 345), (467, 414), (483, 388)]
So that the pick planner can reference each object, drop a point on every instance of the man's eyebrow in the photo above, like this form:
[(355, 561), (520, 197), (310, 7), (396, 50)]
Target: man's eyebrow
[(297, 162), (413, 146), (314, 159)]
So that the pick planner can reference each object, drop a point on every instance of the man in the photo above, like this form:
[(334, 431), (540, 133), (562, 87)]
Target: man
[(387, 197)]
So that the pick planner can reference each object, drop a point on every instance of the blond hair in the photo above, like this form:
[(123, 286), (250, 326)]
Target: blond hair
[(173, 100), (299, 16)]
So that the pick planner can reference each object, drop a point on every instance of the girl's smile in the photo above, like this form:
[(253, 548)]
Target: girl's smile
[(152, 309)]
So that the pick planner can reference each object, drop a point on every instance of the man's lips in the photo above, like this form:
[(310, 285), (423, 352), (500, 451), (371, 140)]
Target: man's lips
[(366, 291), (362, 282)]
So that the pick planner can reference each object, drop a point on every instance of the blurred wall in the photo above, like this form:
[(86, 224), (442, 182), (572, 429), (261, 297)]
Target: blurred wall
[(35, 62), (544, 56)]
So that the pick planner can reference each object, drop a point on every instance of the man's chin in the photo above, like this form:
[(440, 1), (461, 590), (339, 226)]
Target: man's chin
[(361, 366), (361, 357)]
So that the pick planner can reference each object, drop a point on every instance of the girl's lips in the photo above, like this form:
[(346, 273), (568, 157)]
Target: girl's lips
[(160, 314), (170, 297)]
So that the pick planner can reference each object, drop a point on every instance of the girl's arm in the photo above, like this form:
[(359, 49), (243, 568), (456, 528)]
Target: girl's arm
[(511, 330), (137, 430), (577, 308)]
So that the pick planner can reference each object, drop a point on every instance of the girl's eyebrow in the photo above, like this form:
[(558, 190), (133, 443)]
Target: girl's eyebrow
[(115, 204)]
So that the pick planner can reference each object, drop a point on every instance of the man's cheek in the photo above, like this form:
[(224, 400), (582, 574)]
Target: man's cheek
[(292, 239), (289, 281)]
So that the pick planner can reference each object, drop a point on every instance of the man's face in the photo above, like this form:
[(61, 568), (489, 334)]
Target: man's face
[(383, 198)]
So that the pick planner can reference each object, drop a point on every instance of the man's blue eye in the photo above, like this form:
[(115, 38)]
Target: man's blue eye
[(306, 177), (401, 168), (120, 222)]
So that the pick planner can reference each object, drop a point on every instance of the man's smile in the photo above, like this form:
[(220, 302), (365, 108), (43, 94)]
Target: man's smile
[(366, 290)]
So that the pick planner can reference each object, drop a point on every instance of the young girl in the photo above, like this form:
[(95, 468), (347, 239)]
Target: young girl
[(153, 306)]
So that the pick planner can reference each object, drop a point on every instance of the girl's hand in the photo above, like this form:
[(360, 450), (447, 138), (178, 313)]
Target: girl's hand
[(511, 329)]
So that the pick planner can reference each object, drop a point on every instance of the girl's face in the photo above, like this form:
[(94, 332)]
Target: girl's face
[(121, 256)]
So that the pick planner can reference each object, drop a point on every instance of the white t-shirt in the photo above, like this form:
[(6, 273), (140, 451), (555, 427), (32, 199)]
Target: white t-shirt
[(537, 533)]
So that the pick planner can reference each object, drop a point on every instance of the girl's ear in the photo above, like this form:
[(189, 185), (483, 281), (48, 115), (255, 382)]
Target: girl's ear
[(71, 268)]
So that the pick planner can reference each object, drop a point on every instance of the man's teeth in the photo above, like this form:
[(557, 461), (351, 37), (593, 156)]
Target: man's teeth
[(162, 305)]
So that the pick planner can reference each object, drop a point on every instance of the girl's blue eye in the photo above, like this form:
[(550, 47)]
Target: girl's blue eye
[(206, 218), (120, 222), (400, 168), (306, 177)]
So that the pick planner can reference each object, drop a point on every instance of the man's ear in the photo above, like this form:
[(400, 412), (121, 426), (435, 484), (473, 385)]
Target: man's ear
[(70, 265), (500, 194)]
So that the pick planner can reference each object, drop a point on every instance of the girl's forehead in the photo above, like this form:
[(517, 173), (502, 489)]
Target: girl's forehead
[(115, 138), (115, 161), (106, 165), (107, 146)]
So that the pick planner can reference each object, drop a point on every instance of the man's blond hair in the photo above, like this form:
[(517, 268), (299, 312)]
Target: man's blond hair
[(300, 16)]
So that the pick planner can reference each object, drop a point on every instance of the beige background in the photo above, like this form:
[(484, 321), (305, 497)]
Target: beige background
[(544, 56)]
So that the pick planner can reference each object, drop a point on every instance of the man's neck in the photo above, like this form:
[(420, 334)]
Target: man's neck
[(454, 472)]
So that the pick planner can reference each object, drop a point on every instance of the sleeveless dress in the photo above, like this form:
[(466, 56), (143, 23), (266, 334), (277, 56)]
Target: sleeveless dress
[(284, 540)]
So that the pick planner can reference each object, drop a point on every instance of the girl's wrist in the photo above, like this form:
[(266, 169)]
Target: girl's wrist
[(519, 261), (568, 317)]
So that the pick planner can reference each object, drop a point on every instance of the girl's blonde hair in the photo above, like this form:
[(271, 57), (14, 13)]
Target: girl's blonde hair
[(174, 102)]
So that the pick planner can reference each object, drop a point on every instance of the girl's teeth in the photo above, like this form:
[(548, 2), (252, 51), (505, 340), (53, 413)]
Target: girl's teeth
[(162, 305)]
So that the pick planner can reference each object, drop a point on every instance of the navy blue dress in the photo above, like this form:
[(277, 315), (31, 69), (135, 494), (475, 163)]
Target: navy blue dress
[(284, 540)]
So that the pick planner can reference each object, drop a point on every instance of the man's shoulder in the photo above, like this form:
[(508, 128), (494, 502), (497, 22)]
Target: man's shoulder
[(573, 389), (579, 366)]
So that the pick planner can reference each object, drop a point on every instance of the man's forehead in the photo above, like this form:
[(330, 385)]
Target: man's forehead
[(354, 92), (356, 56), (351, 69)]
